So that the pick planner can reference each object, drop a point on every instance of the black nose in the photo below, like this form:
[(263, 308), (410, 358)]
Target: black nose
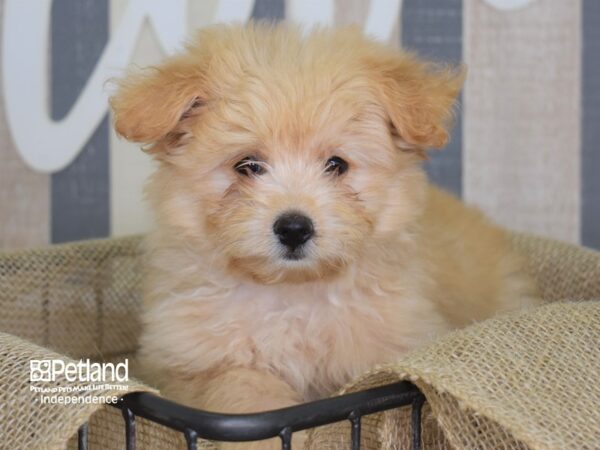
[(293, 229)]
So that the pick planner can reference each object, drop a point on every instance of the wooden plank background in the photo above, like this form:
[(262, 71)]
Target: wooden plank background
[(129, 166), (80, 192), (525, 147), (590, 150), (433, 29), (24, 194), (522, 107)]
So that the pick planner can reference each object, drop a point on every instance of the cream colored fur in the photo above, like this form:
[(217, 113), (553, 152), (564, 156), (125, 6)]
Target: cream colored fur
[(229, 325)]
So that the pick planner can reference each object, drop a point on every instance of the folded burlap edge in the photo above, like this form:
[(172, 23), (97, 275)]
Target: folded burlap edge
[(448, 370), (31, 424), (446, 377)]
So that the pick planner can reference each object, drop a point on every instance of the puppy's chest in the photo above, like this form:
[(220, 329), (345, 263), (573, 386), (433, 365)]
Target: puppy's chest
[(318, 339), (314, 337)]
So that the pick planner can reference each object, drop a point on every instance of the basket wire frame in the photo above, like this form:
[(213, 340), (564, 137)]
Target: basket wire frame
[(282, 423)]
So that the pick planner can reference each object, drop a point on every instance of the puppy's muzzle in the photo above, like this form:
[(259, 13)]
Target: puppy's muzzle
[(293, 230)]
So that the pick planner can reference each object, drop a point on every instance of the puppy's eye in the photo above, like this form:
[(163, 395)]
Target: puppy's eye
[(336, 165), (249, 166)]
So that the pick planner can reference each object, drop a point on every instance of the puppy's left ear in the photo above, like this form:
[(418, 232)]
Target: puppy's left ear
[(419, 99)]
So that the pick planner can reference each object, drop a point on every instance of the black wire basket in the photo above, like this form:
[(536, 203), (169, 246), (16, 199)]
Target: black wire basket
[(282, 423)]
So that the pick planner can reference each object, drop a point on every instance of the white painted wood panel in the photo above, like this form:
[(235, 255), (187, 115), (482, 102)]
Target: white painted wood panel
[(521, 155)]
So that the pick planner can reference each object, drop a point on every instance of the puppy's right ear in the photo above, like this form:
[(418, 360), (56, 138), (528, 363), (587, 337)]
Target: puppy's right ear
[(151, 106), (418, 97)]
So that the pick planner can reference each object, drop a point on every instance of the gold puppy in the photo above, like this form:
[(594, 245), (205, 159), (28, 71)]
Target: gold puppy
[(298, 242)]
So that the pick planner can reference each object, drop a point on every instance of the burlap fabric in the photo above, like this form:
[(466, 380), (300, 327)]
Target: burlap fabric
[(528, 380)]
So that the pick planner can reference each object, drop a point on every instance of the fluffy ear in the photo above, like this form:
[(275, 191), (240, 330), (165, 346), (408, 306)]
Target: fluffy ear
[(152, 106), (419, 98)]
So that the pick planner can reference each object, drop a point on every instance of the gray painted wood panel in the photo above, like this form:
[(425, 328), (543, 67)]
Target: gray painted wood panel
[(79, 193), (590, 129), (269, 9), (433, 29)]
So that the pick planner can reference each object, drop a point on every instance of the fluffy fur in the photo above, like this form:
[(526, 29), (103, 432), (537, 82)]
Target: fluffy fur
[(230, 325)]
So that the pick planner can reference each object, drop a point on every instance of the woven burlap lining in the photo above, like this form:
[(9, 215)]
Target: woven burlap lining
[(80, 299), (528, 380), (522, 381)]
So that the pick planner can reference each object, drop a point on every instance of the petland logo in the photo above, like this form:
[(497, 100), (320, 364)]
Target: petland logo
[(82, 382), (83, 371)]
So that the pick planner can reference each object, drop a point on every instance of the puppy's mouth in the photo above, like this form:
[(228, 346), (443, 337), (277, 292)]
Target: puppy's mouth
[(294, 255), (298, 265)]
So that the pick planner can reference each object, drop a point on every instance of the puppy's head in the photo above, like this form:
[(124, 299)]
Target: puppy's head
[(286, 155)]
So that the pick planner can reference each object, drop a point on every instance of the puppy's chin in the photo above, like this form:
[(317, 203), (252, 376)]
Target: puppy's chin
[(287, 269)]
